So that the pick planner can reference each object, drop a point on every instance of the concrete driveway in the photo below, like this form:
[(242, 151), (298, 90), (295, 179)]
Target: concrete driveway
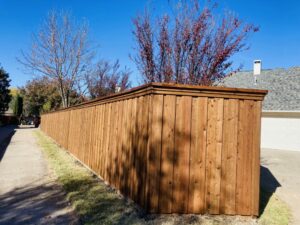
[(285, 169), (28, 191)]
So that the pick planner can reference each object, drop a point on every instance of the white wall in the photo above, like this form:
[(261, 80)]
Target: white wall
[(280, 130)]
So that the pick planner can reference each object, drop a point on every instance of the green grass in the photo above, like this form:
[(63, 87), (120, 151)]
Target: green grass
[(276, 212), (96, 203)]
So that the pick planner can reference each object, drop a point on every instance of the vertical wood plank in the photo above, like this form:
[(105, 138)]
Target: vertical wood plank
[(214, 154), (119, 144), (138, 161), (91, 122), (144, 147), (198, 155), (97, 135), (167, 153), (71, 132), (149, 131), (127, 148), (244, 159), (124, 146), (256, 157), (229, 153), (93, 159), (133, 150), (111, 142), (106, 146), (101, 140), (182, 154), (155, 153)]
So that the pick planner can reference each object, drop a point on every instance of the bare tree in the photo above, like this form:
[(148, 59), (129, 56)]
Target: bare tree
[(191, 46), (60, 51)]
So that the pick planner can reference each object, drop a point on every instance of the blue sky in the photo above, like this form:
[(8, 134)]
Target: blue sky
[(277, 43)]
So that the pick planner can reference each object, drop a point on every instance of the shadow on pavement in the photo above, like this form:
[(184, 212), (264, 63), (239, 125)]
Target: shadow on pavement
[(268, 186), (6, 134), (40, 204)]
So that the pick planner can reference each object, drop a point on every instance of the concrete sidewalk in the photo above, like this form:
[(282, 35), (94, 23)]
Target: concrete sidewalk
[(28, 192)]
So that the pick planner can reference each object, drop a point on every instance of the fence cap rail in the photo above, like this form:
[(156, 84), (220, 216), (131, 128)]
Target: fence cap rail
[(175, 89)]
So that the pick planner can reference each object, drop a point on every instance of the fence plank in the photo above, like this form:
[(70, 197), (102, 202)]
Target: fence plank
[(133, 150), (214, 153), (155, 153), (256, 158), (229, 153), (124, 146), (111, 142), (182, 154), (167, 154), (138, 161), (198, 155), (102, 140), (144, 147), (119, 144), (244, 156)]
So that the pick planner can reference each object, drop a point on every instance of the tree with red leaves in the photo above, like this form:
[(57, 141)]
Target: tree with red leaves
[(106, 78), (191, 47)]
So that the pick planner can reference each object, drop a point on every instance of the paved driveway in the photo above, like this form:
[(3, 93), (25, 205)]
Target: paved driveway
[(285, 168), (28, 192)]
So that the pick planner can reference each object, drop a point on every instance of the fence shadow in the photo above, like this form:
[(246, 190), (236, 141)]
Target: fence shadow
[(39, 204), (268, 186), (6, 132)]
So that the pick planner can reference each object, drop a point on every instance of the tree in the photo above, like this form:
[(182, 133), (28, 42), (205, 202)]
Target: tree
[(61, 52), (40, 95), (5, 96), (105, 78), (192, 46), (17, 105)]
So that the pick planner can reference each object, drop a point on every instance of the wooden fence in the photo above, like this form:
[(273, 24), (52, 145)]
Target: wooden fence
[(170, 148)]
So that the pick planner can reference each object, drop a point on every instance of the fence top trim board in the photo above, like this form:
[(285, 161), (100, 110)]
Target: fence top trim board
[(176, 89), (281, 114)]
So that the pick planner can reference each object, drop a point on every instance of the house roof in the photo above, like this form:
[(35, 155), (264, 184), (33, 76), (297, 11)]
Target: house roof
[(283, 86)]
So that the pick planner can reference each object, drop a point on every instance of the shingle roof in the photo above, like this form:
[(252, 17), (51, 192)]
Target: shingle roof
[(283, 86)]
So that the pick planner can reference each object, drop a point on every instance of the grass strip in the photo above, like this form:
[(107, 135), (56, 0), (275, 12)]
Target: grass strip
[(276, 211)]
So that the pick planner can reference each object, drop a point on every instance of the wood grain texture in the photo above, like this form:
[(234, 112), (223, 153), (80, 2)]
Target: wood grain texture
[(256, 157), (170, 148), (155, 153), (244, 159), (229, 156), (167, 154), (198, 155), (144, 149), (214, 154), (182, 154)]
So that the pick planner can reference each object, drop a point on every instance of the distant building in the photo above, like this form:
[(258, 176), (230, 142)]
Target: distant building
[(283, 86), (281, 107)]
